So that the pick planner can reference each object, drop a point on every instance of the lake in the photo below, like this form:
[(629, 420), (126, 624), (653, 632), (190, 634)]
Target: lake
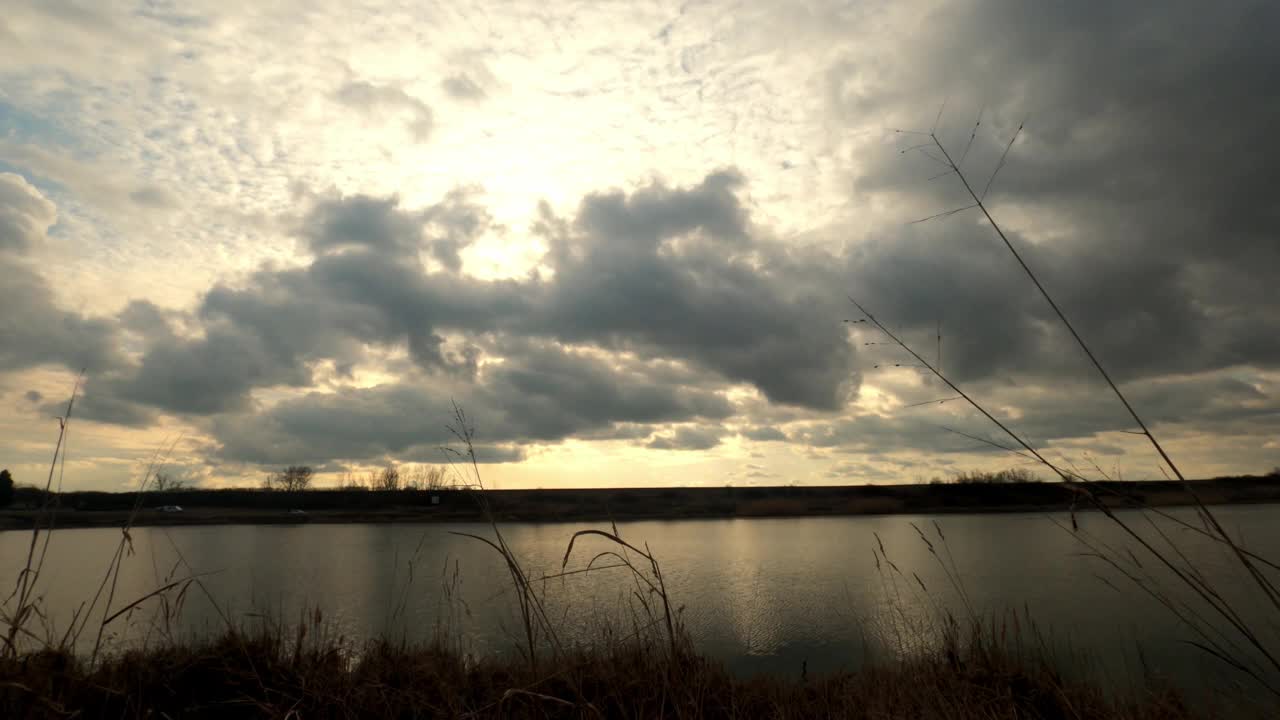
[(762, 595)]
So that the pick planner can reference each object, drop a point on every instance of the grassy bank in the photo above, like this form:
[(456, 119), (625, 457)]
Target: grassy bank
[(100, 509), (278, 675)]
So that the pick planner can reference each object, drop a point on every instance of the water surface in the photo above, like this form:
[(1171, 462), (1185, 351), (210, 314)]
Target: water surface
[(762, 595)]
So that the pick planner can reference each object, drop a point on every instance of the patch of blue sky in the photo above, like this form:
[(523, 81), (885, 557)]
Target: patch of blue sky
[(55, 191), (42, 130), (21, 124), (168, 13), (18, 127)]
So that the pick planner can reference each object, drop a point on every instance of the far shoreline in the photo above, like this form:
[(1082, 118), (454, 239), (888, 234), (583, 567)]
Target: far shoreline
[(345, 506)]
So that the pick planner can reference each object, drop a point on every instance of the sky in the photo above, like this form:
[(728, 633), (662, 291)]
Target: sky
[(622, 237)]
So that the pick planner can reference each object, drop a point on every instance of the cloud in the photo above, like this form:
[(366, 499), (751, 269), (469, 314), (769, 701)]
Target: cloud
[(692, 299), (764, 434), (678, 272), (98, 182), (543, 394), (214, 373), (686, 438), (350, 424), (1072, 417), (34, 328), (366, 286), (1137, 195), (361, 222), (652, 303), (25, 214), (665, 273), (376, 101), (380, 225), (317, 429), (460, 86), (655, 302), (104, 408), (153, 196)]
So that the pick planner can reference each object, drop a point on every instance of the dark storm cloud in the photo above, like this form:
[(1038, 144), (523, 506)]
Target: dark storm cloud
[(666, 273), (361, 221), (214, 373), (1228, 402), (451, 226), (104, 407), (36, 331), (148, 321), (366, 287), (679, 273), (380, 225), (547, 393), (354, 423), (1140, 313), (1148, 150), (657, 302), (544, 394), (1212, 399)]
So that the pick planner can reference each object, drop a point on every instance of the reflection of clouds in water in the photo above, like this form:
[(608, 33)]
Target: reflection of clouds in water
[(770, 585), (752, 604), (760, 595)]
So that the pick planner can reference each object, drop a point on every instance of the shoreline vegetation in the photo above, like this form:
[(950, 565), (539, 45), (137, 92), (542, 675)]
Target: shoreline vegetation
[(937, 663), (305, 673), (251, 506)]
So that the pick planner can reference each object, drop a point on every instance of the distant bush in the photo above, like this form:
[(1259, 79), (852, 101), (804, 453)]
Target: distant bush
[(1000, 477), (6, 488)]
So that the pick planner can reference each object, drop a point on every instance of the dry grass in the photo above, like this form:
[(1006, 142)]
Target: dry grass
[(943, 667), (271, 674), (1218, 624)]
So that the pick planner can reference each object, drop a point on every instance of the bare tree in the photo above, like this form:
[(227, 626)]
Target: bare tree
[(427, 477), (387, 479), (291, 479), (164, 482), (352, 481)]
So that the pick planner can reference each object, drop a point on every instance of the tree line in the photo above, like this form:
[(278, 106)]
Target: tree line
[(293, 478), (390, 478)]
